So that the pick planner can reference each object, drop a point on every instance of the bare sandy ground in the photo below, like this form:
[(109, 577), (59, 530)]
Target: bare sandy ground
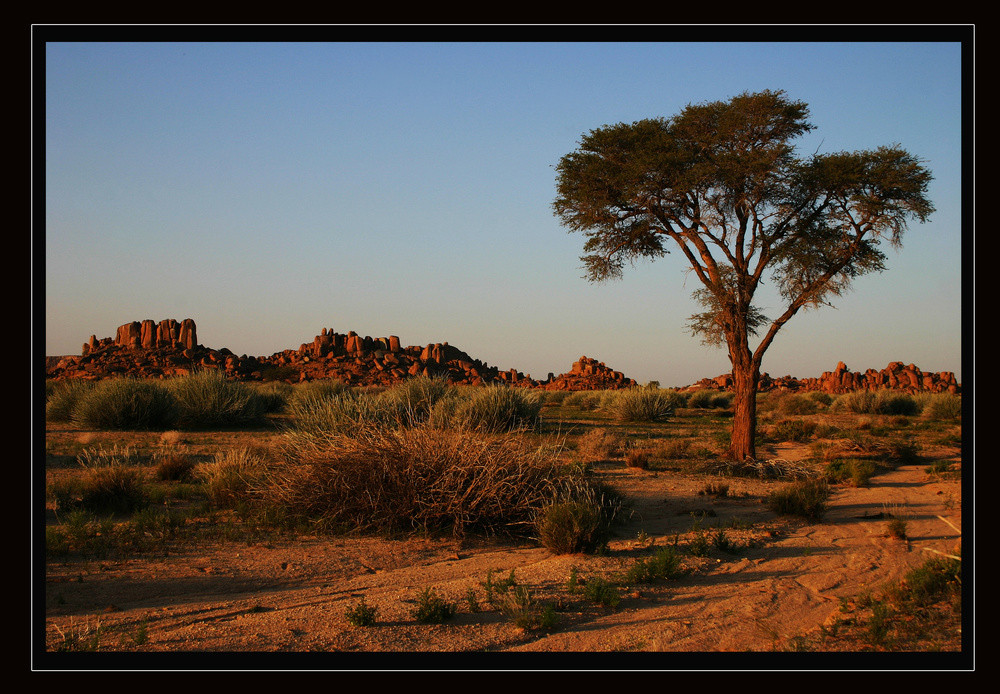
[(260, 600)]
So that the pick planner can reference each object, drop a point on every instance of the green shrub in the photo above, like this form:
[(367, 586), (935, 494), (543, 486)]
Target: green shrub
[(362, 614), (820, 397), (274, 395), (63, 398), (895, 403), (526, 612), (806, 498), (414, 398), (935, 578), (882, 401), (580, 519), (125, 404), (601, 592), (797, 430), (433, 609), (570, 527), (643, 405), (858, 471), (797, 404), (207, 399)]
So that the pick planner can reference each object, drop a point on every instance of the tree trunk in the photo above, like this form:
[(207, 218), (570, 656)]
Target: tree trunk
[(744, 415)]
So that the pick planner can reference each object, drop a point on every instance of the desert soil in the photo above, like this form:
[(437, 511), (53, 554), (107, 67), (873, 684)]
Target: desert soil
[(291, 595)]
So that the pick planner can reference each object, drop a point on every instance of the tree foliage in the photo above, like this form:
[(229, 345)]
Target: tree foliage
[(721, 183)]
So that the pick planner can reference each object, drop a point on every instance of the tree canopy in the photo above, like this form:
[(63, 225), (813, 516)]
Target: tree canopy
[(721, 183)]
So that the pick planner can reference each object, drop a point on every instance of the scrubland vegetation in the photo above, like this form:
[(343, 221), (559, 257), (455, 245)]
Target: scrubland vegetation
[(135, 467)]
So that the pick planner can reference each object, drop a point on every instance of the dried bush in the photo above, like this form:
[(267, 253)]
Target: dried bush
[(414, 478), (112, 482), (234, 476), (600, 444)]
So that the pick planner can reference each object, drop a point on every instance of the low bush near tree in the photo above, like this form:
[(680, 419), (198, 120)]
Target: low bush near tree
[(806, 499)]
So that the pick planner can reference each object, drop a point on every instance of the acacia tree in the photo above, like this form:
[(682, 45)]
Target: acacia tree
[(721, 182)]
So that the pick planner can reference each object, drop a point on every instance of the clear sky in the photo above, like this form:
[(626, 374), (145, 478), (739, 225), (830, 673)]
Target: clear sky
[(271, 189)]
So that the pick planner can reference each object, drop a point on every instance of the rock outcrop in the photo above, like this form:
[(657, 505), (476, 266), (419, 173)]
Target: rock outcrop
[(589, 374), (895, 376)]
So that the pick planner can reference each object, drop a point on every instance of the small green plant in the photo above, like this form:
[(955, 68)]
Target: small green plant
[(361, 614), (722, 542), (573, 582), (433, 609), (601, 592), (806, 498), (471, 601), (526, 612), (665, 564), (896, 527), (857, 471), (698, 545)]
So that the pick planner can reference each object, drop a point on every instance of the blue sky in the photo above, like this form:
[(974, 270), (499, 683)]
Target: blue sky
[(269, 190)]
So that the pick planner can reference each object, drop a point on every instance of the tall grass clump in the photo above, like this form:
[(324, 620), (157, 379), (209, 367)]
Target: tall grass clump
[(342, 414), (414, 478), (600, 444), (940, 406), (62, 400), (494, 409), (708, 399), (126, 404), (644, 405), (273, 395), (112, 481), (876, 402), (234, 476), (207, 399), (414, 398)]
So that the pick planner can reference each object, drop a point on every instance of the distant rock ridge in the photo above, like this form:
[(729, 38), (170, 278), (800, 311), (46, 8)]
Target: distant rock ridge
[(895, 376), (148, 349)]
